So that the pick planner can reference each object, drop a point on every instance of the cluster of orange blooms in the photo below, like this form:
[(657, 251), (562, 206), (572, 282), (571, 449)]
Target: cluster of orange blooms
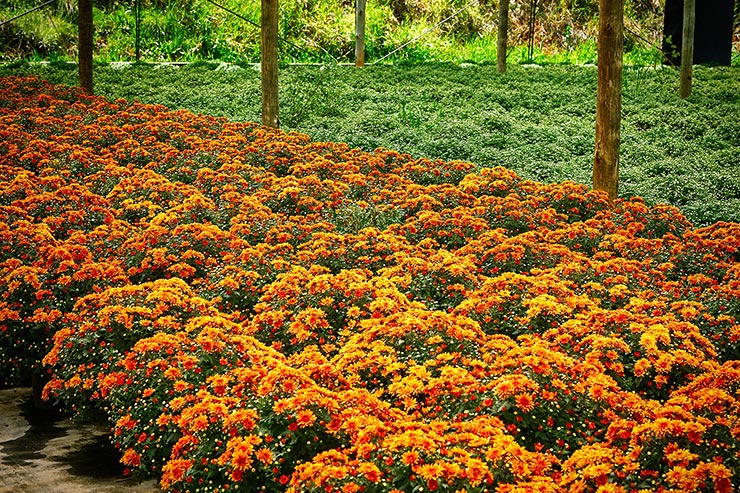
[(253, 311)]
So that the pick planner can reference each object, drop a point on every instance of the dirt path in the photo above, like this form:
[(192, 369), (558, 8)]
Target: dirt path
[(40, 453)]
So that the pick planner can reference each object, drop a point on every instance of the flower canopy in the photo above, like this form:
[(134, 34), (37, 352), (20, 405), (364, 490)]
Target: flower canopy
[(254, 311)]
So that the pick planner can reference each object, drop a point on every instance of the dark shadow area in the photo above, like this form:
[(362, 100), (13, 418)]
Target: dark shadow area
[(43, 427), (712, 37), (96, 459)]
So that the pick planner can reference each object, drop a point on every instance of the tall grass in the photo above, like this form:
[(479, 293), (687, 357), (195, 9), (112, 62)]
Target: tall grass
[(322, 31)]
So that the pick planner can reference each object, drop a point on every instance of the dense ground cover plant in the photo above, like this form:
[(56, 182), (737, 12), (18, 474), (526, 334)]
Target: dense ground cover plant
[(536, 121), (254, 311)]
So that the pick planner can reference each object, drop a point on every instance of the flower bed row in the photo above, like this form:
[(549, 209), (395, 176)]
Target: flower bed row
[(253, 311)]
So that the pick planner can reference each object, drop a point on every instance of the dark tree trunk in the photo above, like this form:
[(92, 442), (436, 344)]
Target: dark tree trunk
[(687, 47), (269, 64), (360, 33), (503, 33), (85, 45), (609, 96)]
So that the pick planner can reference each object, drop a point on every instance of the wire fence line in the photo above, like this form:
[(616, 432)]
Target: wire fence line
[(388, 55), (281, 39), (428, 30), (39, 7), (258, 26), (324, 53)]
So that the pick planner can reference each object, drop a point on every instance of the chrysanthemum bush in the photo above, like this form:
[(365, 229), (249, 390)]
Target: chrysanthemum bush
[(253, 311)]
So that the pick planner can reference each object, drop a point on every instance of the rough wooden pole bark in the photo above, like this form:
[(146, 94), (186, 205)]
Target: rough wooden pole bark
[(687, 47), (360, 33), (269, 64), (503, 33), (609, 96), (138, 30), (85, 45)]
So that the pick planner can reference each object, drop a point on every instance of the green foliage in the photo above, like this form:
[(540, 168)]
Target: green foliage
[(320, 30), (37, 35)]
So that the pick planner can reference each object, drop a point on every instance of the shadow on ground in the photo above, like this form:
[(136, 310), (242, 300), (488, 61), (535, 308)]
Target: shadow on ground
[(44, 452)]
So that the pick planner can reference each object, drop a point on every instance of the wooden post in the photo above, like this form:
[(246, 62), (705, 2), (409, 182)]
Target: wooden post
[(269, 64), (360, 33), (687, 47), (85, 45), (503, 33), (609, 96), (138, 30)]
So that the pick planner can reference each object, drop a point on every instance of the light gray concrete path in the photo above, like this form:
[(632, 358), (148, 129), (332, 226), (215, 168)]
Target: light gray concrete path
[(42, 453)]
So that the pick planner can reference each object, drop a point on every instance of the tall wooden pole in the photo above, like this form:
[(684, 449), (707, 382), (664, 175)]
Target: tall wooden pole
[(85, 45), (687, 47), (269, 64), (138, 30), (609, 96), (360, 33), (503, 33)]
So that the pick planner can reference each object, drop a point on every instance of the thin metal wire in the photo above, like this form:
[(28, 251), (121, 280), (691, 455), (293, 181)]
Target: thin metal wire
[(245, 19), (249, 21), (65, 42), (650, 44), (427, 31), (27, 12)]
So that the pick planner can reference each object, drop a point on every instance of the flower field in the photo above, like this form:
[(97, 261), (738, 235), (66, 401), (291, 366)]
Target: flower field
[(254, 311)]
